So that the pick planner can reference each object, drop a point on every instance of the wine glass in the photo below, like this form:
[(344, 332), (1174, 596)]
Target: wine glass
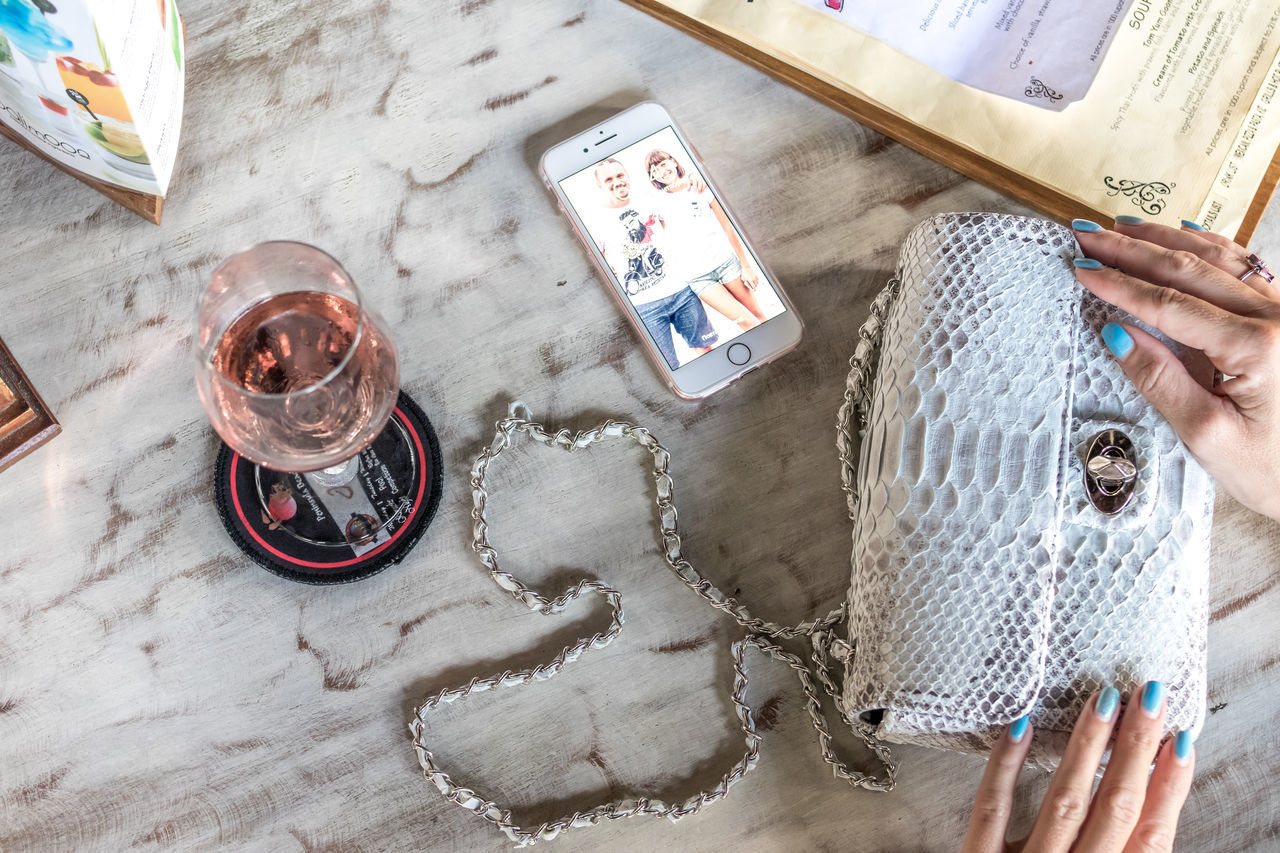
[(295, 371)]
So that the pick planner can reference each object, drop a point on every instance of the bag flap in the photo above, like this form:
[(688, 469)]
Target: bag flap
[(1131, 602), (960, 481)]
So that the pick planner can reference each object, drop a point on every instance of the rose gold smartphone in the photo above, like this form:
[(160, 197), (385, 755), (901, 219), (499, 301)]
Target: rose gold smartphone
[(679, 264)]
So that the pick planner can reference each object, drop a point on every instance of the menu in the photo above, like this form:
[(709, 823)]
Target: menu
[(25, 421), (95, 86), (1041, 52), (1169, 111)]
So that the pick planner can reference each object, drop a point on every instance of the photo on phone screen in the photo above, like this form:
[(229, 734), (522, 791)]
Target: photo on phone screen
[(683, 265)]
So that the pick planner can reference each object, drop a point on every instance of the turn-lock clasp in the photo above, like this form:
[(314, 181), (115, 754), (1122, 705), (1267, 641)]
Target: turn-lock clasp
[(1110, 471)]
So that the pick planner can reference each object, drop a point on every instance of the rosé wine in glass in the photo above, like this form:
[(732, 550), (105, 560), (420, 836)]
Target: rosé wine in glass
[(295, 372)]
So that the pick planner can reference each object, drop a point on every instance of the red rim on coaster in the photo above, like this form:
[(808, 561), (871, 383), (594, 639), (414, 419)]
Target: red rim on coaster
[(299, 530)]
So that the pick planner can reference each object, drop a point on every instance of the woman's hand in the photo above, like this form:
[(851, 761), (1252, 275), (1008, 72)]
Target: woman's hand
[(1130, 812), (1187, 284)]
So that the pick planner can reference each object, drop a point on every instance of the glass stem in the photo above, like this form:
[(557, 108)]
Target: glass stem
[(337, 475)]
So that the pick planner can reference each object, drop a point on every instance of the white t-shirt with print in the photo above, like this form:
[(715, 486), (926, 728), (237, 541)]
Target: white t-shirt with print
[(634, 244), (696, 243)]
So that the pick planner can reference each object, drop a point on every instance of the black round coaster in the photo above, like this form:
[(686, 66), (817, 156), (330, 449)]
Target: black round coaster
[(300, 531)]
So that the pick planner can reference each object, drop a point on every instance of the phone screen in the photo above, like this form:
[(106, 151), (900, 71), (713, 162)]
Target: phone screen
[(682, 264)]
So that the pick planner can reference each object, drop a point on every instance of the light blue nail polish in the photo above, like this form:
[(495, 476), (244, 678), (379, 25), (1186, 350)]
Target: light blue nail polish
[(1126, 219), (1087, 264), (1187, 223), (1108, 701), (1152, 698), (1120, 344), (1085, 225), (1018, 729), (1182, 746)]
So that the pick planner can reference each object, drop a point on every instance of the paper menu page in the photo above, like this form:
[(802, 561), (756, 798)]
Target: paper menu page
[(1041, 52), (152, 59), (1182, 119)]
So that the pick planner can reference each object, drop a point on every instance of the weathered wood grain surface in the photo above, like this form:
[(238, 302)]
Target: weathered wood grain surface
[(157, 691)]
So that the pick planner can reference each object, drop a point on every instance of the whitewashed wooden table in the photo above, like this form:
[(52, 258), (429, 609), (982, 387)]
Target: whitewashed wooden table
[(158, 691)]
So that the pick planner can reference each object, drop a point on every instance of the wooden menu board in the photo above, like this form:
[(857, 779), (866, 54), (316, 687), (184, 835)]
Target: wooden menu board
[(720, 26), (149, 207), (25, 421)]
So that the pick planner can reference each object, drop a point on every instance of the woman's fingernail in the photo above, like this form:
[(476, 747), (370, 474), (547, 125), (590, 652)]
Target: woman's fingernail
[(1126, 219), (1152, 698), (1087, 264), (1182, 748), (1085, 225), (1187, 223), (1018, 729), (1121, 344), (1108, 701)]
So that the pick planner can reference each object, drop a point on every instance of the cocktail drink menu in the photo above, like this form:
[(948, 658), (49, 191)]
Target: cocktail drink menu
[(95, 86), (1163, 109)]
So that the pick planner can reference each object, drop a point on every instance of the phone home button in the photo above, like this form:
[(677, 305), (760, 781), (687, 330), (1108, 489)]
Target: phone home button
[(739, 353)]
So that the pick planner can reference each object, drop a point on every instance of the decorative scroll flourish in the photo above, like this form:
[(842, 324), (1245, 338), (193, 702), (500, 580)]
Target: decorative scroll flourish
[(1037, 89), (1144, 195)]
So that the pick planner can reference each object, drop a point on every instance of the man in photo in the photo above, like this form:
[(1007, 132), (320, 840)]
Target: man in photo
[(631, 240)]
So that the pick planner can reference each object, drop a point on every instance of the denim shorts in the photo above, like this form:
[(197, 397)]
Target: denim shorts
[(722, 274), (684, 311)]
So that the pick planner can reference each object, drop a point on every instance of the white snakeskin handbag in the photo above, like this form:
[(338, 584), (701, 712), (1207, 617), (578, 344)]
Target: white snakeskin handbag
[(1027, 528)]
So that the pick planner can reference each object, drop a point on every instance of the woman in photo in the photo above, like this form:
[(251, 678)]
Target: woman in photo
[(702, 246)]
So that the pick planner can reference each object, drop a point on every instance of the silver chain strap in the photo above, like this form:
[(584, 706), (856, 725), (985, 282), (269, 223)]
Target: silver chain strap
[(761, 632), (857, 393)]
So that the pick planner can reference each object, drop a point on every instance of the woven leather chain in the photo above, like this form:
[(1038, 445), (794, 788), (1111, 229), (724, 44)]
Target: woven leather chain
[(761, 636)]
